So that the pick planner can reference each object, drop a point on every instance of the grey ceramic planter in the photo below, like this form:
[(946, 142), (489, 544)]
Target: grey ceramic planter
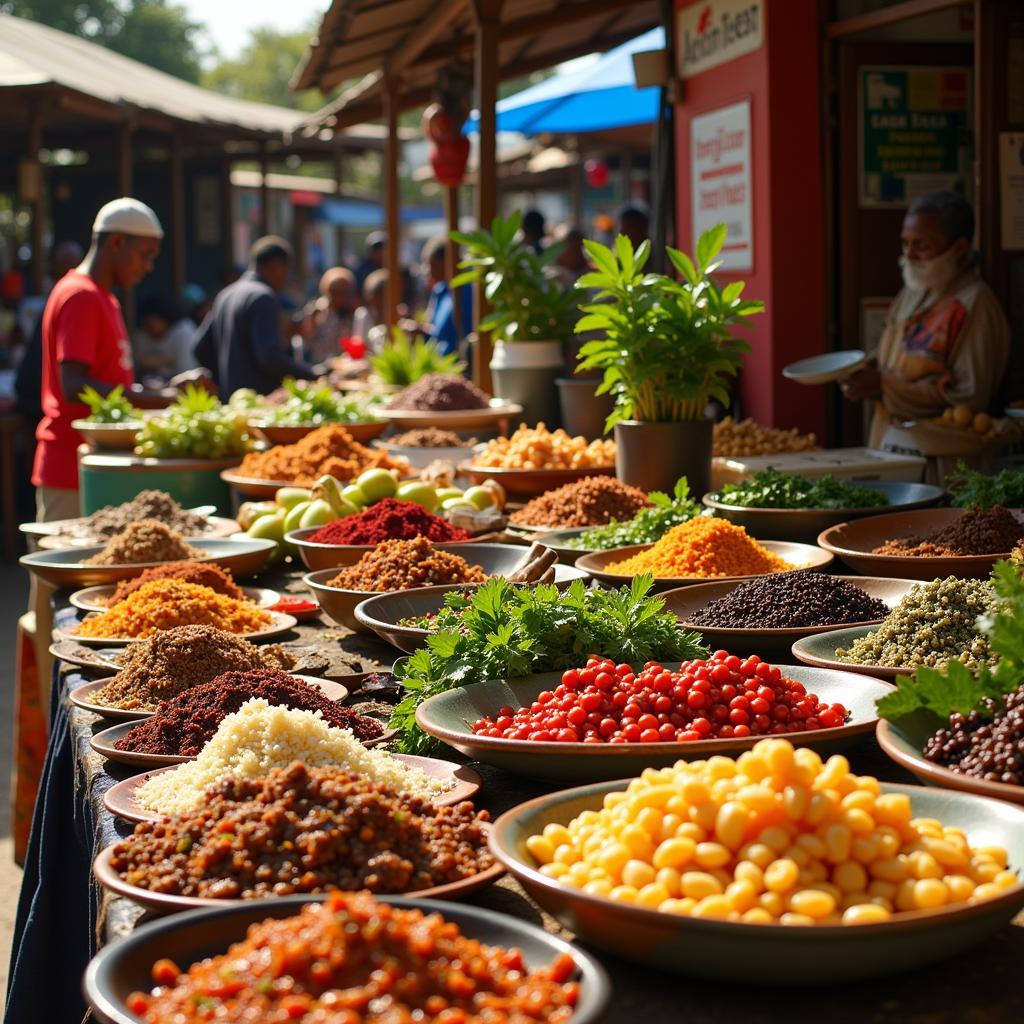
[(583, 412), (653, 456)]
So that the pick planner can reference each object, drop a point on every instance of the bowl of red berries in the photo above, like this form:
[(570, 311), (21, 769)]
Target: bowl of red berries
[(605, 721)]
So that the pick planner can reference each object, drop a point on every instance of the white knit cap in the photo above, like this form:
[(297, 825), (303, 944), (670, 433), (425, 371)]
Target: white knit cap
[(127, 216)]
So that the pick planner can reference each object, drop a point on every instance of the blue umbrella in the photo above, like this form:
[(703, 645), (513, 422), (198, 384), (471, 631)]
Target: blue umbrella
[(597, 97)]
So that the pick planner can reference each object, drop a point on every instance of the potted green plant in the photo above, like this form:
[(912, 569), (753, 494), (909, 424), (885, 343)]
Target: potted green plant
[(532, 313), (666, 348)]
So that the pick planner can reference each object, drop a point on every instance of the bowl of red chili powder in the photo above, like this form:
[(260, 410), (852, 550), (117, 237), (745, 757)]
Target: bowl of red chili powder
[(344, 541)]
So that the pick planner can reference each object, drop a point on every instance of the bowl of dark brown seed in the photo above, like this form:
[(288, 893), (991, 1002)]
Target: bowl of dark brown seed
[(974, 753), (770, 613), (927, 543)]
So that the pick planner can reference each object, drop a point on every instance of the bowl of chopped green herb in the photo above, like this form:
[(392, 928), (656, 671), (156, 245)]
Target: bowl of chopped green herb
[(785, 506), (112, 422)]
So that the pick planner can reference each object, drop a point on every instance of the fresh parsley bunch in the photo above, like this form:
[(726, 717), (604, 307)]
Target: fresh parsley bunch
[(771, 488), (500, 631), (647, 526), (954, 687), (971, 488)]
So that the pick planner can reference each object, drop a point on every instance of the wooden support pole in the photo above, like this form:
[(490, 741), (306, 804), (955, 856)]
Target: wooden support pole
[(124, 184), (392, 223), (485, 59), (177, 225), (339, 230), (37, 202), (124, 159), (264, 191), (451, 255), (227, 220)]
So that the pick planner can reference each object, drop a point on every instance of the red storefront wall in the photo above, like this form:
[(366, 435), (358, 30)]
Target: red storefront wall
[(782, 81)]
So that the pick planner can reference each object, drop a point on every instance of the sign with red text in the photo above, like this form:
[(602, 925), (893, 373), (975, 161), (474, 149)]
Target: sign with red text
[(717, 31), (721, 188)]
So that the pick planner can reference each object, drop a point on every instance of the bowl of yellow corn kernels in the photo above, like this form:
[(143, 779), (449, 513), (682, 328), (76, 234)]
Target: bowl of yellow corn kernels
[(777, 853)]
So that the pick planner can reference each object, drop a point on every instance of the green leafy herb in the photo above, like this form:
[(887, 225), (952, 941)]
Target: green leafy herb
[(971, 488), (110, 408), (771, 488), (666, 347), (308, 404), (647, 526), (195, 426), (527, 298), (937, 693), (500, 631), (404, 360)]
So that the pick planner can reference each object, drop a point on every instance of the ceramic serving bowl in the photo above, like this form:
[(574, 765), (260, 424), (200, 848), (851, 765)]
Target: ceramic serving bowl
[(904, 741), (820, 649), (243, 556), (383, 613), (276, 433), (597, 563), (712, 948), (804, 524), (448, 716), (685, 602), (454, 419), (171, 903), (530, 482), (111, 437), (333, 556), (420, 458), (854, 542), (125, 966)]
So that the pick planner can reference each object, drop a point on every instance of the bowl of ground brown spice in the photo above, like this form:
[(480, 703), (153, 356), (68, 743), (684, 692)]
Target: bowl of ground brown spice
[(69, 567), (927, 543)]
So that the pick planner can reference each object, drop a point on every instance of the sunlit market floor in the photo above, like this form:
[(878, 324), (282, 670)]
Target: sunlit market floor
[(13, 602)]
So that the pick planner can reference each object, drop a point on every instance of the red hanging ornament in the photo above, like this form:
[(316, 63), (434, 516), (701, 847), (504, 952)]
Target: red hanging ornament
[(437, 123), (448, 160), (597, 173)]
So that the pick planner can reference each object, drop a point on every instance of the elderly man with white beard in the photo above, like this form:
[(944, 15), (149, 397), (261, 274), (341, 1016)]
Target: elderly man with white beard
[(946, 340)]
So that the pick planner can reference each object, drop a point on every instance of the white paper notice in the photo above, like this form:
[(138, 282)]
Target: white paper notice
[(721, 188)]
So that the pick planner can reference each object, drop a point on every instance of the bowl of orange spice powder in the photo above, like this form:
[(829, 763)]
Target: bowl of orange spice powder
[(165, 603), (699, 550)]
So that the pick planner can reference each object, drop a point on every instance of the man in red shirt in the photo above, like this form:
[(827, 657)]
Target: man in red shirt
[(85, 344)]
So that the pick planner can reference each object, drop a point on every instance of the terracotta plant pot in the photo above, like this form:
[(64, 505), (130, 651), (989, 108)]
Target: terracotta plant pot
[(653, 456), (583, 412), (525, 372)]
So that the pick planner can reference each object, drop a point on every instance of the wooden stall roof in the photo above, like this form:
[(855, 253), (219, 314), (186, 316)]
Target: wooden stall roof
[(86, 81), (367, 40)]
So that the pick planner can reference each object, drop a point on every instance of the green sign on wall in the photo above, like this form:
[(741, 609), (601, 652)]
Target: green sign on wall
[(914, 134)]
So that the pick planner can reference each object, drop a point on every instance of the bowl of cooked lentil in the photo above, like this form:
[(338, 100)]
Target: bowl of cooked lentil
[(464, 717), (532, 976), (691, 902), (243, 556), (302, 830), (803, 524), (932, 624), (770, 613), (925, 543), (699, 550)]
